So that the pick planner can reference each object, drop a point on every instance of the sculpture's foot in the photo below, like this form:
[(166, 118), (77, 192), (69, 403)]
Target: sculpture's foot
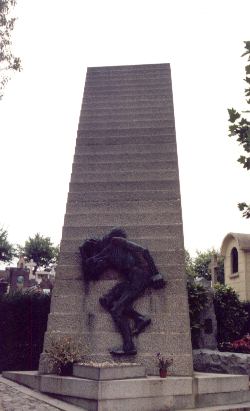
[(141, 325), (121, 351)]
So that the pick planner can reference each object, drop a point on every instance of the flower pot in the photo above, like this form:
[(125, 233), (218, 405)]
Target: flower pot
[(163, 373), (66, 369)]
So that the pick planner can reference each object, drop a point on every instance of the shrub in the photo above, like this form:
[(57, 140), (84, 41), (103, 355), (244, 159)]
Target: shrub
[(197, 299), (23, 322), (246, 306), (230, 313)]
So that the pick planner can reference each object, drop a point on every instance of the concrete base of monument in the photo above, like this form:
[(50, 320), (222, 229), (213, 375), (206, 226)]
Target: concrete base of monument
[(126, 388)]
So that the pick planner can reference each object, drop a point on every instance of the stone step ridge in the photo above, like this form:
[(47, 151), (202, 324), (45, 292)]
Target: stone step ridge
[(129, 98), (128, 79), (71, 245), (83, 219), (142, 231), (129, 132), (119, 176), (129, 118), (123, 157), (134, 88), (138, 114), (130, 67), (160, 257), (90, 312), (126, 111), (109, 208), (125, 206), (123, 124), (166, 195), (76, 303), (127, 105), (106, 114), (122, 141), (149, 148), (140, 69), (97, 320), (126, 99), (115, 78), (127, 93), (129, 208), (144, 79), (135, 117), (117, 210), (127, 76), (175, 342), (73, 271), (125, 186), (124, 166), (135, 83), (73, 234)]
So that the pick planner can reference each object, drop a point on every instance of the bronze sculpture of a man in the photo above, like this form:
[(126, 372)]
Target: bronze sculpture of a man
[(137, 267)]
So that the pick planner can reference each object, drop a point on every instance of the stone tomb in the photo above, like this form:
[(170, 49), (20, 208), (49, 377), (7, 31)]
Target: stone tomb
[(125, 173)]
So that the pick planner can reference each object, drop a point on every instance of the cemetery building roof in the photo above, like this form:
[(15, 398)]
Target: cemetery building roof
[(243, 241)]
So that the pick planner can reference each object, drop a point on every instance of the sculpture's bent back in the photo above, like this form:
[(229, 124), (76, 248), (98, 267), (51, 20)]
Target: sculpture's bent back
[(125, 173)]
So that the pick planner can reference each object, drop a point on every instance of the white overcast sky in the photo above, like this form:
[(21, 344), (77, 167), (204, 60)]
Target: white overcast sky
[(58, 39)]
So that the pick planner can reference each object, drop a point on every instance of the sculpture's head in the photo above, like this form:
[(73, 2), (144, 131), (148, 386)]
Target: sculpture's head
[(90, 247), (115, 232)]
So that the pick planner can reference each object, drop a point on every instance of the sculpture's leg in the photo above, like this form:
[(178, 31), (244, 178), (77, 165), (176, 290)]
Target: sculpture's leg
[(123, 326), (108, 299), (141, 321)]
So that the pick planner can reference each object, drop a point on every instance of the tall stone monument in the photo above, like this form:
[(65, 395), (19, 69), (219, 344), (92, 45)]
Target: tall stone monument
[(125, 174)]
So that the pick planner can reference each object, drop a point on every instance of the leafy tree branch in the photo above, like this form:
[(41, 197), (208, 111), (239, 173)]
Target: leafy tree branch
[(8, 62), (240, 128)]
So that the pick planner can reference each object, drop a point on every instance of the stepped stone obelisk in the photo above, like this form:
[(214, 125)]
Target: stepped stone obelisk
[(125, 173)]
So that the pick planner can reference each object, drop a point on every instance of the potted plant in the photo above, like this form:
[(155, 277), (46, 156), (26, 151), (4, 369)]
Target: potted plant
[(163, 364), (63, 353)]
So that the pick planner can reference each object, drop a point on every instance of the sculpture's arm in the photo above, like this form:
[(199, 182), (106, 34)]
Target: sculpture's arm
[(129, 245), (96, 265), (157, 280)]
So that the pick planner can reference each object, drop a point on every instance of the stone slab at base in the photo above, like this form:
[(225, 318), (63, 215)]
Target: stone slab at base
[(221, 362), (140, 394), (112, 372)]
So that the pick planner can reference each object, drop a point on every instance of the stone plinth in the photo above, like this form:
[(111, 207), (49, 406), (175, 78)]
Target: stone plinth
[(109, 372), (125, 173), (142, 393)]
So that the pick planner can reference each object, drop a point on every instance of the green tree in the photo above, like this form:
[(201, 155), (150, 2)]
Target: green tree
[(240, 128), (189, 266), (6, 249), (201, 264), (41, 250), (8, 62)]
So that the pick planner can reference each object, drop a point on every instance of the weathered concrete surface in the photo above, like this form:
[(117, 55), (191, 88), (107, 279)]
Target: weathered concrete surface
[(125, 173), (144, 394), (109, 372), (222, 362)]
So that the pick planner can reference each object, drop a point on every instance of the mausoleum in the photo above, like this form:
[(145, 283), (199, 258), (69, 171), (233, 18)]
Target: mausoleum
[(236, 250)]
